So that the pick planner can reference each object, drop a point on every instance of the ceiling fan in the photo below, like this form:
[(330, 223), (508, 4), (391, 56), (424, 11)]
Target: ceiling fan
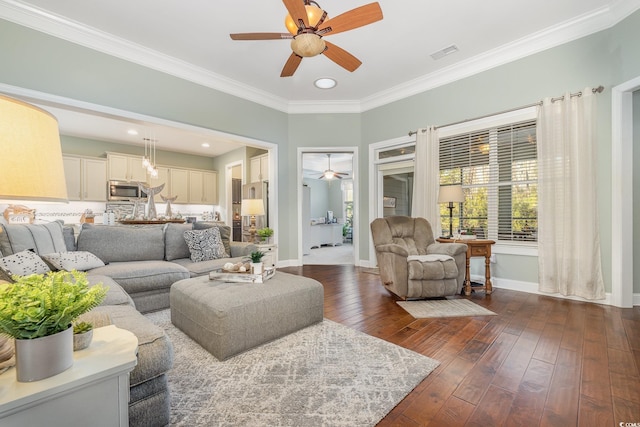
[(308, 24), (330, 173)]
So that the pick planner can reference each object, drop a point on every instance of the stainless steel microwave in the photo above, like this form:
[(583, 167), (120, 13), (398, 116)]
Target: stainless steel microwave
[(123, 190)]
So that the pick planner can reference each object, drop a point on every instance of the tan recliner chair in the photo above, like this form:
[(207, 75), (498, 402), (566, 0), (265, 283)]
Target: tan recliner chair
[(412, 264)]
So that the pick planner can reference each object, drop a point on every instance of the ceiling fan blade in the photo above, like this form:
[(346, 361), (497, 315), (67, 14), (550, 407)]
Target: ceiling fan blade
[(261, 36), (355, 18), (291, 65), (341, 57), (297, 11)]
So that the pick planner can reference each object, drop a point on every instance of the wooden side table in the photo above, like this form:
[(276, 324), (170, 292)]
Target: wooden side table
[(475, 247), (94, 391)]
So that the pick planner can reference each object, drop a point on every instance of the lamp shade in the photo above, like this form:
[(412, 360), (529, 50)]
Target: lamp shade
[(252, 207), (451, 193), (31, 157)]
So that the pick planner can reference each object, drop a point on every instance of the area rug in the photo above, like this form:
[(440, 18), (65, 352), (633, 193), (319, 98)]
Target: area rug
[(444, 308), (323, 375)]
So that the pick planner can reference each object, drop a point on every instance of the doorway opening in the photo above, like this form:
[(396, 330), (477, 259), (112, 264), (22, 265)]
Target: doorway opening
[(328, 206)]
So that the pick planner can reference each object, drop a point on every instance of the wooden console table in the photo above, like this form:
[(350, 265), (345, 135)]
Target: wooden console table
[(477, 248)]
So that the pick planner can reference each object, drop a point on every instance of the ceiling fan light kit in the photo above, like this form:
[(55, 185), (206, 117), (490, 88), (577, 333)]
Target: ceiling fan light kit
[(314, 14), (307, 45), (307, 24)]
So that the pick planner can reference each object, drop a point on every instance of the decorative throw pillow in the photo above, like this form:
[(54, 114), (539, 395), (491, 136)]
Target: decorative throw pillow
[(204, 245), (24, 263), (77, 260)]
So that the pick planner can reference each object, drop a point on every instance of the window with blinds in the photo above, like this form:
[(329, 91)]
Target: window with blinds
[(498, 170)]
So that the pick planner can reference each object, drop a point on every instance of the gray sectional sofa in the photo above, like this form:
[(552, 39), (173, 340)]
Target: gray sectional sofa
[(141, 264)]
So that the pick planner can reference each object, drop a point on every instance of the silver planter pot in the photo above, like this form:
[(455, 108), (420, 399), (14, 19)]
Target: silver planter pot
[(44, 357)]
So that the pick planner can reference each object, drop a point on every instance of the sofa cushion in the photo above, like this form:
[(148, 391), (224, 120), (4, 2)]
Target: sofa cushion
[(205, 245), (69, 234), (225, 233), (114, 243), (175, 247), (115, 294), (155, 352), (24, 263), (42, 238), (77, 260), (143, 276)]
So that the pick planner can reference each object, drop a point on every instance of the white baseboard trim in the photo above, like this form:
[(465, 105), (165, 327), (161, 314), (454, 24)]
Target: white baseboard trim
[(295, 263), (532, 288)]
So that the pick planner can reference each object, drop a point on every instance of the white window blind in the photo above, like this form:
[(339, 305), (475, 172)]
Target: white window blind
[(497, 168)]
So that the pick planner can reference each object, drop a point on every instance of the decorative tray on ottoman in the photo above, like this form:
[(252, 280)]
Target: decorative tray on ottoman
[(242, 277)]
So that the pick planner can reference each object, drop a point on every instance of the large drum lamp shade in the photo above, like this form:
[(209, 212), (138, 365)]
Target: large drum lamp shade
[(31, 165)]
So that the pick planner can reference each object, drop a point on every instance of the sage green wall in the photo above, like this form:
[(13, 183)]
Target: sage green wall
[(606, 58), (636, 191), (94, 148), (316, 130), (34, 60)]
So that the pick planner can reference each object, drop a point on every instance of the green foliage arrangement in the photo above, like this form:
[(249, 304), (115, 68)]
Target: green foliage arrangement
[(82, 327), (40, 305), (256, 256), (265, 233)]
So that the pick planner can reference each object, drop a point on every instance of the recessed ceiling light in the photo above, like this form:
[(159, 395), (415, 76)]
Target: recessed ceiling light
[(325, 83), (206, 145), (132, 132)]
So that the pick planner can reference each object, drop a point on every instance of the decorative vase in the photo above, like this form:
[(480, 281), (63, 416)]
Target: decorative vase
[(256, 268), (44, 357), (82, 341)]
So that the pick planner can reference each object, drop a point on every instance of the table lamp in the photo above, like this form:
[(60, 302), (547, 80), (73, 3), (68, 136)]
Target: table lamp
[(451, 194), (251, 208), (31, 158)]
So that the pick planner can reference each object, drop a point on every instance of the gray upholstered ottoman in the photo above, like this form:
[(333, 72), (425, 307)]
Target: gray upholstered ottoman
[(229, 318)]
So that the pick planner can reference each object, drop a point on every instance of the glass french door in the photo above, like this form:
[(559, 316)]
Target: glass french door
[(395, 189)]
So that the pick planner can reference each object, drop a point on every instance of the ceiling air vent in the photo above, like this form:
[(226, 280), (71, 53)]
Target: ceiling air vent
[(444, 52)]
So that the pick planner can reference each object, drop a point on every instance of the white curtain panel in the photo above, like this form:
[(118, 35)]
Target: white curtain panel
[(568, 238), (427, 178)]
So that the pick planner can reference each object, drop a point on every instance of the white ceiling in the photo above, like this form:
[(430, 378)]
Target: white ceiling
[(191, 40)]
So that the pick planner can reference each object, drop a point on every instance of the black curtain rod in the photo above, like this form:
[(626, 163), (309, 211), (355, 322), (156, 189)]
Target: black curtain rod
[(598, 89)]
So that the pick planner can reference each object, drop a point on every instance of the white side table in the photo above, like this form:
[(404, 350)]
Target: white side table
[(270, 257), (94, 391)]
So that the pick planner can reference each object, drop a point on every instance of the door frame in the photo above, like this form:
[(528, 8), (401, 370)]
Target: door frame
[(622, 193), (356, 196)]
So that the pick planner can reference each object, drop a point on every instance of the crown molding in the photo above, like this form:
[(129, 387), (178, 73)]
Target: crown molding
[(75, 32), (581, 26)]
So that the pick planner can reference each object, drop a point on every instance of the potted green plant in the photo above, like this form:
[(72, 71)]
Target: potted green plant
[(265, 234), (256, 262), (38, 311), (82, 335)]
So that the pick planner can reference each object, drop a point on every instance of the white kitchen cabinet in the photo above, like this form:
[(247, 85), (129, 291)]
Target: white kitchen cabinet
[(179, 184), (86, 178), (123, 167), (162, 178), (259, 168), (203, 187)]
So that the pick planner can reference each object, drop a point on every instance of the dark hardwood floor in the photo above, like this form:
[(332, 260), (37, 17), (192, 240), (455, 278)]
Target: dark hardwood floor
[(541, 361)]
